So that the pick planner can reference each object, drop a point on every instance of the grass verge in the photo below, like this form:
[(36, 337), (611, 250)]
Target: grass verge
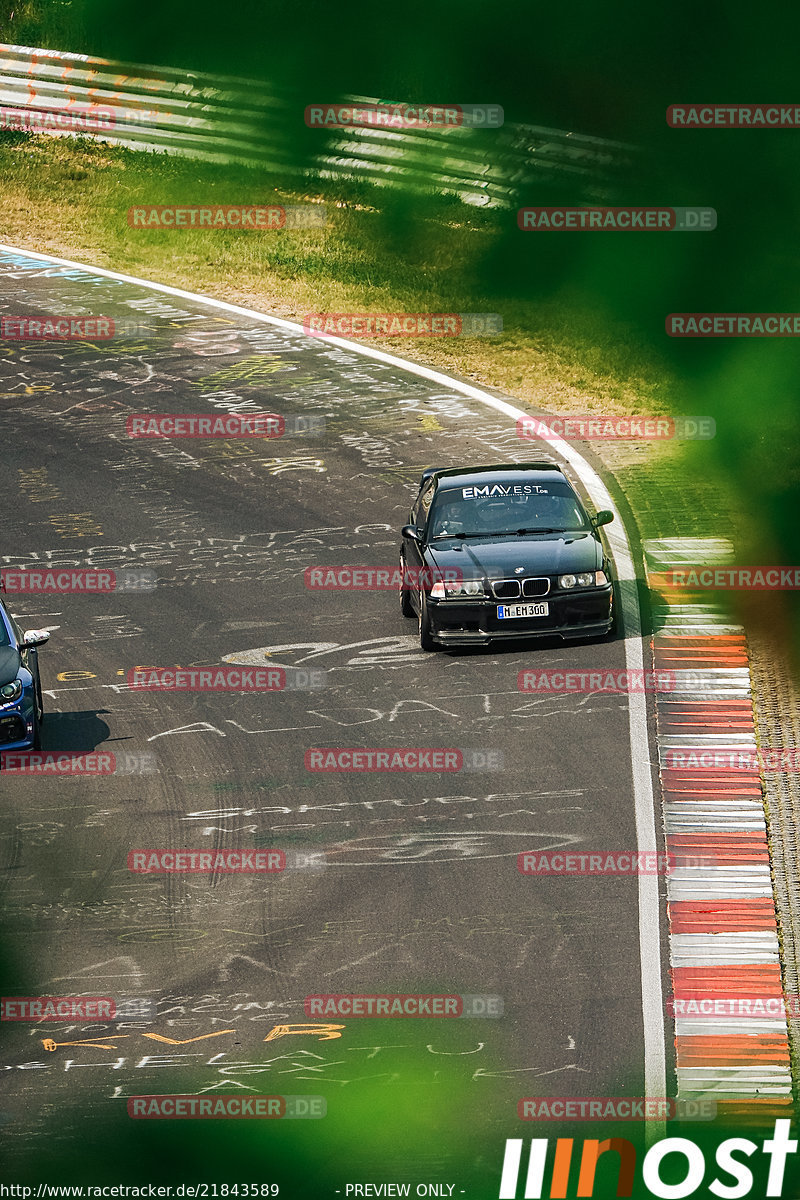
[(70, 197)]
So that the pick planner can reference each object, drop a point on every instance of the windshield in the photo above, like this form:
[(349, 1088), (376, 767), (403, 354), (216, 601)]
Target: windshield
[(507, 508)]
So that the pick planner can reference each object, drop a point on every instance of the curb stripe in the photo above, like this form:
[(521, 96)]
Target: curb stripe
[(723, 923)]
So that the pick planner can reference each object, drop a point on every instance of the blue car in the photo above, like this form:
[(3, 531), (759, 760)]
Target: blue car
[(21, 708)]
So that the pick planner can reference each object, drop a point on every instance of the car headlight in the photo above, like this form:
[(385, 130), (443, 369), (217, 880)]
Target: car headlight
[(448, 589), (585, 579), (11, 691)]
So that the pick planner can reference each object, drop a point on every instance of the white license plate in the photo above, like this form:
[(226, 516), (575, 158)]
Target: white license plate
[(506, 611)]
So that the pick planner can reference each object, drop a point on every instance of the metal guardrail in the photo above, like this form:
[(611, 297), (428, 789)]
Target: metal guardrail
[(237, 120)]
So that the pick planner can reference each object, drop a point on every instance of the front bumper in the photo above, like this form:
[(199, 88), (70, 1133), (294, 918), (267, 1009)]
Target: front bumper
[(16, 724), (582, 614)]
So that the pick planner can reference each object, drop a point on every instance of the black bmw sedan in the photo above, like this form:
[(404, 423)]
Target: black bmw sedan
[(504, 552)]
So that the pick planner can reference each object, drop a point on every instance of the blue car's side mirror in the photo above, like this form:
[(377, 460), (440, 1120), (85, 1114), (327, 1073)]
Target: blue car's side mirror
[(35, 637)]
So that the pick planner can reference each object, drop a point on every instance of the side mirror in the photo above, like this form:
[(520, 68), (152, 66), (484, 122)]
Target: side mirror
[(35, 637), (603, 517), (411, 531)]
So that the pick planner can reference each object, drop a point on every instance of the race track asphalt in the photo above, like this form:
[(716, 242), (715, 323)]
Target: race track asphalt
[(414, 885)]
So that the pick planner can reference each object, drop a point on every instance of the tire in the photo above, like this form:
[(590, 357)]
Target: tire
[(612, 633), (425, 639), (37, 732), (406, 608)]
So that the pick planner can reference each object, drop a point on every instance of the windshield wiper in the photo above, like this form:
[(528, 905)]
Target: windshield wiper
[(437, 537), (561, 529), (475, 534)]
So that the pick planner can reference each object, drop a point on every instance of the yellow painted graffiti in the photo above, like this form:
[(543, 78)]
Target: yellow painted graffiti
[(325, 1031), (49, 1044), (76, 525), (157, 1037), (249, 371)]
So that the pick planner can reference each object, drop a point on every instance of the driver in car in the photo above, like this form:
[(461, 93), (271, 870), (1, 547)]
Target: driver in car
[(450, 518), (492, 516)]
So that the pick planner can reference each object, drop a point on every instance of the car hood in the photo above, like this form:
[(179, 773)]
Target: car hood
[(551, 555), (9, 664)]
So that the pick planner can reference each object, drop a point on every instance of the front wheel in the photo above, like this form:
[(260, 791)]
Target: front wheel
[(612, 633), (425, 638), (406, 608)]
